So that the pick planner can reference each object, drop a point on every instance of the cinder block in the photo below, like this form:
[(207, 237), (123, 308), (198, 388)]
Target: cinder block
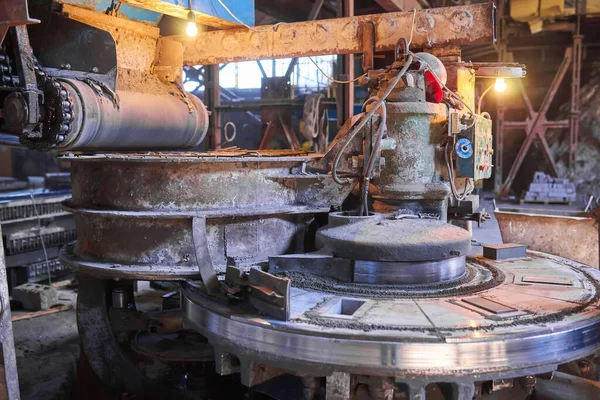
[(35, 297)]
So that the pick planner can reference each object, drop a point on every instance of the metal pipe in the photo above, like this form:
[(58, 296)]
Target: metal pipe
[(133, 121)]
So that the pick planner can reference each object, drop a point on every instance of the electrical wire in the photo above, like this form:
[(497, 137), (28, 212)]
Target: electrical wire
[(370, 165), (450, 167), (412, 28), (330, 78), (39, 223), (482, 96), (364, 120), (274, 28)]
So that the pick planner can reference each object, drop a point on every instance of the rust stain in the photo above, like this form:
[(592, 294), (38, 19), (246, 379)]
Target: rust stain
[(467, 25), (575, 238)]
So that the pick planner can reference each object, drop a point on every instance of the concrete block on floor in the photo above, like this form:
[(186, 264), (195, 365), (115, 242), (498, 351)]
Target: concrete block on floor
[(35, 297)]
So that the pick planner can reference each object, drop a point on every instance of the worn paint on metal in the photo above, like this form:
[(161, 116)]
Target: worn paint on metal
[(573, 237), (464, 25), (13, 13), (412, 169), (136, 44), (134, 213)]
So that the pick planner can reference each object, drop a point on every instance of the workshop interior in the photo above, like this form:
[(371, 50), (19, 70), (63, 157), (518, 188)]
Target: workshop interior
[(300, 199)]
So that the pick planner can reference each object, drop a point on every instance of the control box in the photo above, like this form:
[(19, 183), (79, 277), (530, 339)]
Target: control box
[(474, 152)]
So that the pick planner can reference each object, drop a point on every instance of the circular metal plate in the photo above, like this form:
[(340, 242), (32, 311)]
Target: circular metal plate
[(386, 273), (389, 239), (545, 312)]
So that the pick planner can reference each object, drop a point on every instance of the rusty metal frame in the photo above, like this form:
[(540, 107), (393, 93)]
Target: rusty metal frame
[(536, 124), (461, 25), (212, 95), (575, 100), (13, 13)]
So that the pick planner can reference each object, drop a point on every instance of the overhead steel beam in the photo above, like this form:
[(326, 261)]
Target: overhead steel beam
[(459, 26)]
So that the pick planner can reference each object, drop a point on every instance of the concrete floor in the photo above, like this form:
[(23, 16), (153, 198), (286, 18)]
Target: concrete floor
[(47, 350), (47, 347)]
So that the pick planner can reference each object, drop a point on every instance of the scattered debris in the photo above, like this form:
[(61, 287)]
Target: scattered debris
[(546, 189), (34, 314), (35, 297)]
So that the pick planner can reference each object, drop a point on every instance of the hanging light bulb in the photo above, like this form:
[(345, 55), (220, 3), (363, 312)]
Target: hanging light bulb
[(192, 29), (500, 85)]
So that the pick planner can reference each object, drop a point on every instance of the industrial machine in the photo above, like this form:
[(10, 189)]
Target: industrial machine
[(302, 275), (35, 227)]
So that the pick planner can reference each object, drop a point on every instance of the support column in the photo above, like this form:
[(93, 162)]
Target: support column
[(9, 380), (345, 92), (338, 386), (213, 101), (499, 144), (575, 99)]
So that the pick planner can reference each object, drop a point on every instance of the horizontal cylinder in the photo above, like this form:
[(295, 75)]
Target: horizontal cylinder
[(132, 121)]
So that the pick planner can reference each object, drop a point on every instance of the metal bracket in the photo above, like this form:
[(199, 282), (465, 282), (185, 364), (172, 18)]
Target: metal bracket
[(205, 265), (315, 263), (13, 13), (270, 294), (368, 45)]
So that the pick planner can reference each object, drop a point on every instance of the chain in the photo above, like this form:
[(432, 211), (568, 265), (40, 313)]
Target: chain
[(59, 109), (6, 76)]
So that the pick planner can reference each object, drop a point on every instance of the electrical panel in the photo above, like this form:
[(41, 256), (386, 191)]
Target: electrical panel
[(474, 152)]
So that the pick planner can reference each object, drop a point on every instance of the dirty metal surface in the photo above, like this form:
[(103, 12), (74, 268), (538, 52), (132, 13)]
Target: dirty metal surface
[(183, 346), (104, 353), (412, 174), (134, 213), (531, 327), (192, 156), (574, 237), (164, 247), (136, 44), (387, 273), (13, 13), (504, 251), (387, 239), (399, 274), (464, 25), (174, 183), (202, 255)]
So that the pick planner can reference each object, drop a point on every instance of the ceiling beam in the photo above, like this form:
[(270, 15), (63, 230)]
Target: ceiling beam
[(459, 26)]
